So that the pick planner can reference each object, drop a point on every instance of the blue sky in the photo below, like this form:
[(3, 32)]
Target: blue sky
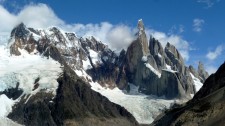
[(200, 23)]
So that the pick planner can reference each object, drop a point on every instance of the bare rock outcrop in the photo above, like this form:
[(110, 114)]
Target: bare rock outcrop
[(202, 73)]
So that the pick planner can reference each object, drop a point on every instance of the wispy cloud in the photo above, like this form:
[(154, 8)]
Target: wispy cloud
[(208, 3), (212, 55), (197, 24), (176, 29)]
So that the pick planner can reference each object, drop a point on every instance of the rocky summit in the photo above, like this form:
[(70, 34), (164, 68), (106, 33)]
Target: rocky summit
[(159, 71)]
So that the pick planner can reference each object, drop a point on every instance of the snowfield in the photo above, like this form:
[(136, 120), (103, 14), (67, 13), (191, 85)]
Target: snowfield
[(25, 69), (197, 83), (143, 107)]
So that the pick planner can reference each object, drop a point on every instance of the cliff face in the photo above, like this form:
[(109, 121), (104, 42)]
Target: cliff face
[(206, 108), (157, 70)]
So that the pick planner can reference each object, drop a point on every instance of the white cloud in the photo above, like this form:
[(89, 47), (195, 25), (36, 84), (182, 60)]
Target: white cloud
[(41, 16), (197, 24), (211, 69), (212, 55), (209, 3), (38, 16), (120, 37), (117, 36)]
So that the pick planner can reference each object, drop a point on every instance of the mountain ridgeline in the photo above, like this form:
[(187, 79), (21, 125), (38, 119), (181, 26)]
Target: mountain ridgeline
[(156, 70), (145, 63)]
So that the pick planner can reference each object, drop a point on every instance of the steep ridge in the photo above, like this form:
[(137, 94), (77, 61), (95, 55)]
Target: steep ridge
[(205, 109)]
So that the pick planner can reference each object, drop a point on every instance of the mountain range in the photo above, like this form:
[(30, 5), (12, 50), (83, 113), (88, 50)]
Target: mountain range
[(54, 77)]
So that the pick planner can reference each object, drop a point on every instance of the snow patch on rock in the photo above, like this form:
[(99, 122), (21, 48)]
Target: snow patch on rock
[(153, 69), (197, 83)]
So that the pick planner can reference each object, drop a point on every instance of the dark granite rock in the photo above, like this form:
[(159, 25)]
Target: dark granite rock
[(157, 52), (150, 72), (13, 93)]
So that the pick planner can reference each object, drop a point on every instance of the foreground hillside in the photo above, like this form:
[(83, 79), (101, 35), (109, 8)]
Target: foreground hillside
[(207, 108)]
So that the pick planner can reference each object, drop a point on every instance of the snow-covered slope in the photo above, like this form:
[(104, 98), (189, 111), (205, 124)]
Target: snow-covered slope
[(6, 108), (145, 108), (198, 84), (25, 69)]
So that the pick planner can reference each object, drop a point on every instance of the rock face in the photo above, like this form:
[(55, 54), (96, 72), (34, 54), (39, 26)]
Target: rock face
[(156, 70), (193, 71), (205, 109), (22, 39), (202, 73), (157, 52), (142, 38)]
